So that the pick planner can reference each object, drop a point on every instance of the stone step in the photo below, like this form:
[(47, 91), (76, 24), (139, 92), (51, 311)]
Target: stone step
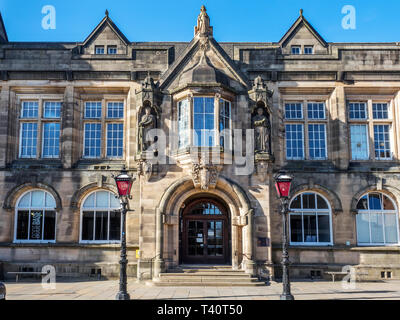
[(206, 279), (206, 284), (212, 275), (206, 272)]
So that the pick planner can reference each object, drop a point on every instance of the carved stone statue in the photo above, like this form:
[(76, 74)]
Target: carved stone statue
[(262, 132), (147, 122), (203, 23)]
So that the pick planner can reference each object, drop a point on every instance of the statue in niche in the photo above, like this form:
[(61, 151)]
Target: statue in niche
[(147, 122), (262, 132)]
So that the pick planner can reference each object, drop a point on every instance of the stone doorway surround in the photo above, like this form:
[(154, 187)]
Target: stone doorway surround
[(167, 223)]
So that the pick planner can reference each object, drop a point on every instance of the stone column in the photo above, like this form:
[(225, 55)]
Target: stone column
[(340, 142), (4, 116), (67, 127), (159, 262), (250, 265)]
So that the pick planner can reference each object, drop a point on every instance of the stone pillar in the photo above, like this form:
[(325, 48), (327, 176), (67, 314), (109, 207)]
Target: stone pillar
[(340, 142), (250, 265), (4, 116), (67, 127), (159, 262)]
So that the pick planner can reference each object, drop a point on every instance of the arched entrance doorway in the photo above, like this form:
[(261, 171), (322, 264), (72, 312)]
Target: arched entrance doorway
[(205, 232)]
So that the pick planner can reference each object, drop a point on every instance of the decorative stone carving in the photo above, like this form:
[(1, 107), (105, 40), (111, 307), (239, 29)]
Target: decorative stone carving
[(147, 102), (205, 175), (203, 27), (262, 132), (145, 169), (147, 122), (260, 93)]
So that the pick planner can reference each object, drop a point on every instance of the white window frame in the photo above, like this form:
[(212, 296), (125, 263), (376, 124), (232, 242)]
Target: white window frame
[(315, 211), (367, 146), (94, 209), (326, 141), (295, 47), (98, 47), (382, 212), (112, 47), (43, 209), (309, 47), (303, 142), (106, 140)]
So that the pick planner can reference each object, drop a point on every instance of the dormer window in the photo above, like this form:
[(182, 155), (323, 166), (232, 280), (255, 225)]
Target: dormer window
[(112, 49), (308, 50), (99, 50), (296, 49)]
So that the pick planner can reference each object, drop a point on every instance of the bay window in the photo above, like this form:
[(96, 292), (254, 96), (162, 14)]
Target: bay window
[(204, 122)]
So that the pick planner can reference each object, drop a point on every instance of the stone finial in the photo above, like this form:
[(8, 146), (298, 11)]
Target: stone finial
[(203, 27), (301, 12), (259, 83), (107, 13)]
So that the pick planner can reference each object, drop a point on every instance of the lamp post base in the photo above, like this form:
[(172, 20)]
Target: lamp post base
[(122, 296), (287, 297)]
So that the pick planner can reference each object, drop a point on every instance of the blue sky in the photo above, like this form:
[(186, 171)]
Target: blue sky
[(173, 20)]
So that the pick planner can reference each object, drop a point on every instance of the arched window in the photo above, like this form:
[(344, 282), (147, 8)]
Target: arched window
[(100, 222), (377, 220), (36, 217), (310, 220)]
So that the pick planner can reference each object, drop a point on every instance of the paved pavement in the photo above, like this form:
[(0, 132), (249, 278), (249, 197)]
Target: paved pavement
[(106, 290)]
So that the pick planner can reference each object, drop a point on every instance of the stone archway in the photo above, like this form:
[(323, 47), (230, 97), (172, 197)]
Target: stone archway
[(167, 222)]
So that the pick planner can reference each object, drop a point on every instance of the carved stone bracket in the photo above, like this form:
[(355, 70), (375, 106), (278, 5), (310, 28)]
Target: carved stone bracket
[(205, 176), (240, 221), (146, 169)]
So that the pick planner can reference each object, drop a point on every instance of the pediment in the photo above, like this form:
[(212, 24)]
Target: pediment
[(303, 34), (106, 34), (197, 65)]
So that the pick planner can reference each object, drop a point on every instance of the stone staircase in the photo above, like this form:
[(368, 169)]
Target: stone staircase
[(206, 276)]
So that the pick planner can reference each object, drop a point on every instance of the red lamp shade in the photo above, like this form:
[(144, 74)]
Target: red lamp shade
[(124, 184), (283, 182)]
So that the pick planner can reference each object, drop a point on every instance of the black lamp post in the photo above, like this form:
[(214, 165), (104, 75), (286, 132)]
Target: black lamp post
[(124, 185), (282, 184)]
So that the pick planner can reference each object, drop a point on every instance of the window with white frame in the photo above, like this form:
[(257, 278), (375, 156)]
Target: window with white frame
[(370, 121), (35, 217), (306, 135), (310, 220), (40, 129), (112, 49), (377, 220), (296, 50), (211, 126), (99, 50), (308, 50), (95, 119), (100, 218)]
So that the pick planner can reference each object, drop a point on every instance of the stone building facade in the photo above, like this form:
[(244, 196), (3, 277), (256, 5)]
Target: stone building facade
[(203, 127)]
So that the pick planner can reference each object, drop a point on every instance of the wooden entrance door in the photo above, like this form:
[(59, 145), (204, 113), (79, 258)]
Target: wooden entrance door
[(205, 233)]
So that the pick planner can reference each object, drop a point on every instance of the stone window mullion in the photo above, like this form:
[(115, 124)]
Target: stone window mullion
[(39, 142), (370, 124)]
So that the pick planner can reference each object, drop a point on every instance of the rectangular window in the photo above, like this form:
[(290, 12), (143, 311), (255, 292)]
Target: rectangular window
[(29, 109), (380, 111), (183, 123), (294, 142), (382, 142), (92, 140), (93, 110), (99, 50), (112, 49), (115, 110), (28, 140), (357, 111), (293, 111), (51, 140), (359, 142), (317, 141), (225, 123), (52, 110), (115, 140), (87, 225), (316, 110), (308, 50), (296, 49), (204, 133)]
